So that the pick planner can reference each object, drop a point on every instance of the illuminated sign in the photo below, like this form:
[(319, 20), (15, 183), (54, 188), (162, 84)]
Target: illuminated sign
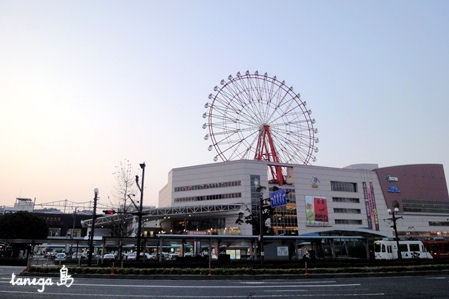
[(392, 179), (393, 189), (315, 182)]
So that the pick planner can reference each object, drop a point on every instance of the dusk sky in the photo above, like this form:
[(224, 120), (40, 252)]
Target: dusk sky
[(87, 84)]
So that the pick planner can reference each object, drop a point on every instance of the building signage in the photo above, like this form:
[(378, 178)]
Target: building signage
[(315, 182), (316, 211), (282, 250), (392, 179), (370, 205), (278, 198), (394, 189)]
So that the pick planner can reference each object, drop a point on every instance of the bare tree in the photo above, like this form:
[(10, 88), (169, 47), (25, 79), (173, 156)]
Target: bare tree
[(124, 189)]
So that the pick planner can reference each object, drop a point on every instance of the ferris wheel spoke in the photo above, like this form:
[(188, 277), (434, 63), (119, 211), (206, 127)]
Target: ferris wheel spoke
[(260, 96), (298, 138), (231, 130), (280, 103), (287, 140), (238, 143), (223, 115), (296, 122), (228, 105), (242, 84), (285, 113), (231, 96), (240, 93), (273, 95), (287, 130), (287, 149), (250, 147)]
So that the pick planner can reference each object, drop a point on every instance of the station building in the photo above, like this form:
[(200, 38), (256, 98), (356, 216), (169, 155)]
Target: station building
[(321, 201), (334, 212)]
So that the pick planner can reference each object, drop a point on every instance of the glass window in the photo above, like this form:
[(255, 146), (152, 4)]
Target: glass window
[(403, 247), (344, 186), (376, 247), (414, 247)]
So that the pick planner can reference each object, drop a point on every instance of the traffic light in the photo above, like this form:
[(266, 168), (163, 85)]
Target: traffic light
[(109, 212)]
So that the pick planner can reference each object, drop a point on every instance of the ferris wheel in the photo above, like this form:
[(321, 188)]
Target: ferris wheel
[(255, 116)]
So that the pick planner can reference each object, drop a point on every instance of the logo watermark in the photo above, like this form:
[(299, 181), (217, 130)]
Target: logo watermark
[(64, 280)]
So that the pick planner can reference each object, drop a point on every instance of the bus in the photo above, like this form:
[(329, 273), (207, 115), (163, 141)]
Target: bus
[(387, 250), (439, 249)]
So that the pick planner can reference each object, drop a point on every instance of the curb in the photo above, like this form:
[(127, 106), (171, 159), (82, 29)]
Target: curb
[(244, 277)]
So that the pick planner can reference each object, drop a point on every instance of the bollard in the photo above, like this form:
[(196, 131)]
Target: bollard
[(306, 271), (112, 269)]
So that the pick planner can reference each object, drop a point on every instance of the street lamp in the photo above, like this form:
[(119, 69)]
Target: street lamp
[(394, 218), (91, 239)]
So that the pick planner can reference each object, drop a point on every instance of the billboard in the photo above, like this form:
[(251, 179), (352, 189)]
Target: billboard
[(316, 211), (370, 204)]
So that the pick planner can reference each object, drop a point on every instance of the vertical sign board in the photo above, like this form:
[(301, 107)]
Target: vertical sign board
[(370, 205), (373, 200), (278, 198), (316, 211)]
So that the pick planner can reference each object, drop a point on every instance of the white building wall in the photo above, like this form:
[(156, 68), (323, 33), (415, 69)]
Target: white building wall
[(304, 176), (165, 198), (216, 173), (241, 170)]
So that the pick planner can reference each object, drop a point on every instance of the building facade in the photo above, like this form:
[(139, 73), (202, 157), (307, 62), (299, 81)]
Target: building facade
[(320, 200)]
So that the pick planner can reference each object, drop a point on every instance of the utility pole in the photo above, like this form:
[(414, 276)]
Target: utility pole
[(91, 237), (394, 218), (139, 226), (261, 223)]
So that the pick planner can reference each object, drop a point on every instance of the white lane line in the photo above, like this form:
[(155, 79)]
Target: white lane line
[(218, 287), (278, 291), (89, 295), (210, 286), (316, 295), (436, 278), (291, 283)]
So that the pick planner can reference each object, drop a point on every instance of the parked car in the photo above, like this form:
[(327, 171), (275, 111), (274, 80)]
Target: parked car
[(60, 257), (80, 255), (131, 256), (109, 256), (150, 256)]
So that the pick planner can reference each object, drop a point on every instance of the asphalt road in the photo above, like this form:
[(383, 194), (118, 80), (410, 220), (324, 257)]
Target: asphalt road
[(430, 286)]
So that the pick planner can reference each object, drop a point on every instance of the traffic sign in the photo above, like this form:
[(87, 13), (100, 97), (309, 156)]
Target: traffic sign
[(278, 198)]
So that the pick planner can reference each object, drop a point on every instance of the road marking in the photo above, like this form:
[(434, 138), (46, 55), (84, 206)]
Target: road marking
[(321, 295), (276, 291), (89, 295), (437, 278), (292, 283), (217, 287), (196, 296), (211, 286)]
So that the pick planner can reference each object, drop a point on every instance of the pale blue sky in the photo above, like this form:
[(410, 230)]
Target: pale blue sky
[(86, 84)]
